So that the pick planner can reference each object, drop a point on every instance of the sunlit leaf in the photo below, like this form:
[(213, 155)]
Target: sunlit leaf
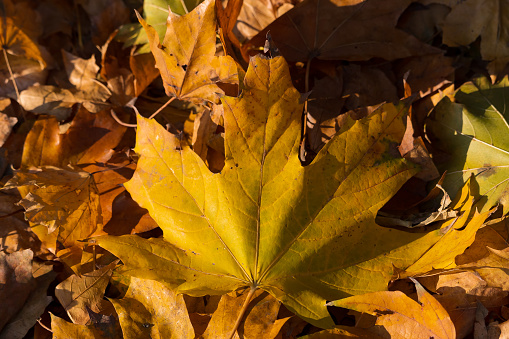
[(151, 310), (185, 57), (304, 234), (474, 131), (401, 316)]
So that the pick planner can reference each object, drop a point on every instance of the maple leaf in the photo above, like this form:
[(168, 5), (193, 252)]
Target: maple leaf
[(155, 13), (66, 201), (56, 101), (474, 130), (339, 29), (304, 234), (186, 58), (401, 316), (17, 31)]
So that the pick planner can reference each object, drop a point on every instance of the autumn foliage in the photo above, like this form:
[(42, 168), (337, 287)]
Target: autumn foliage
[(254, 169)]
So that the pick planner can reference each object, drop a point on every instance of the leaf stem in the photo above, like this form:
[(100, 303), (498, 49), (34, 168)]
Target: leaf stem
[(184, 6), (243, 310), (12, 74), (117, 119), (162, 107)]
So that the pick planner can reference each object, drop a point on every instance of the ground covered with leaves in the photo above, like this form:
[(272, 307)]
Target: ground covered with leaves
[(254, 169)]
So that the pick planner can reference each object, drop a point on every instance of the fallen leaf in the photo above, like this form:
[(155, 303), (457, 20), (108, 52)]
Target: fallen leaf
[(254, 15), (151, 310), (427, 73), (459, 293), (259, 322), (423, 21), (82, 73), (345, 30), (18, 31), (26, 73), (227, 18), (6, 125), (474, 132), (185, 58), (204, 129), (343, 332), (144, 71), (77, 293), (304, 234), (90, 138), (486, 19), (401, 316), (63, 330), (16, 283), (14, 230), (19, 325), (492, 268), (107, 325), (105, 17), (459, 234), (492, 235), (66, 201), (48, 100), (155, 13)]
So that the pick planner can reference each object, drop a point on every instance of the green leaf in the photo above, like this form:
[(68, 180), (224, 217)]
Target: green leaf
[(474, 131), (303, 234)]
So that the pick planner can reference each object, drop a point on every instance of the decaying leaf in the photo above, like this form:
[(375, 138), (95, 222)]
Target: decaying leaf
[(346, 30), (401, 316), (36, 303), (90, 138), (151, 310), (486, 19), (185, 57), (459, 294), (304, 234), (66, 201), (56, 101), (16, 282), (17, 31), (474, 131), (6, 124), (77, 293)]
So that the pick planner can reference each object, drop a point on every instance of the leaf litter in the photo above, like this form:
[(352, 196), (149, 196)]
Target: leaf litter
[(219, 171)]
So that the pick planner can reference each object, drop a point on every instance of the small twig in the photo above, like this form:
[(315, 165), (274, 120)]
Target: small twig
[(11, 73), (114, 115), (243, 310), (93, 258), (111, 168)]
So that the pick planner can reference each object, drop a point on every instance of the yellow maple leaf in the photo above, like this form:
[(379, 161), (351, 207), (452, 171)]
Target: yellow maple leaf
[(185, 58)]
